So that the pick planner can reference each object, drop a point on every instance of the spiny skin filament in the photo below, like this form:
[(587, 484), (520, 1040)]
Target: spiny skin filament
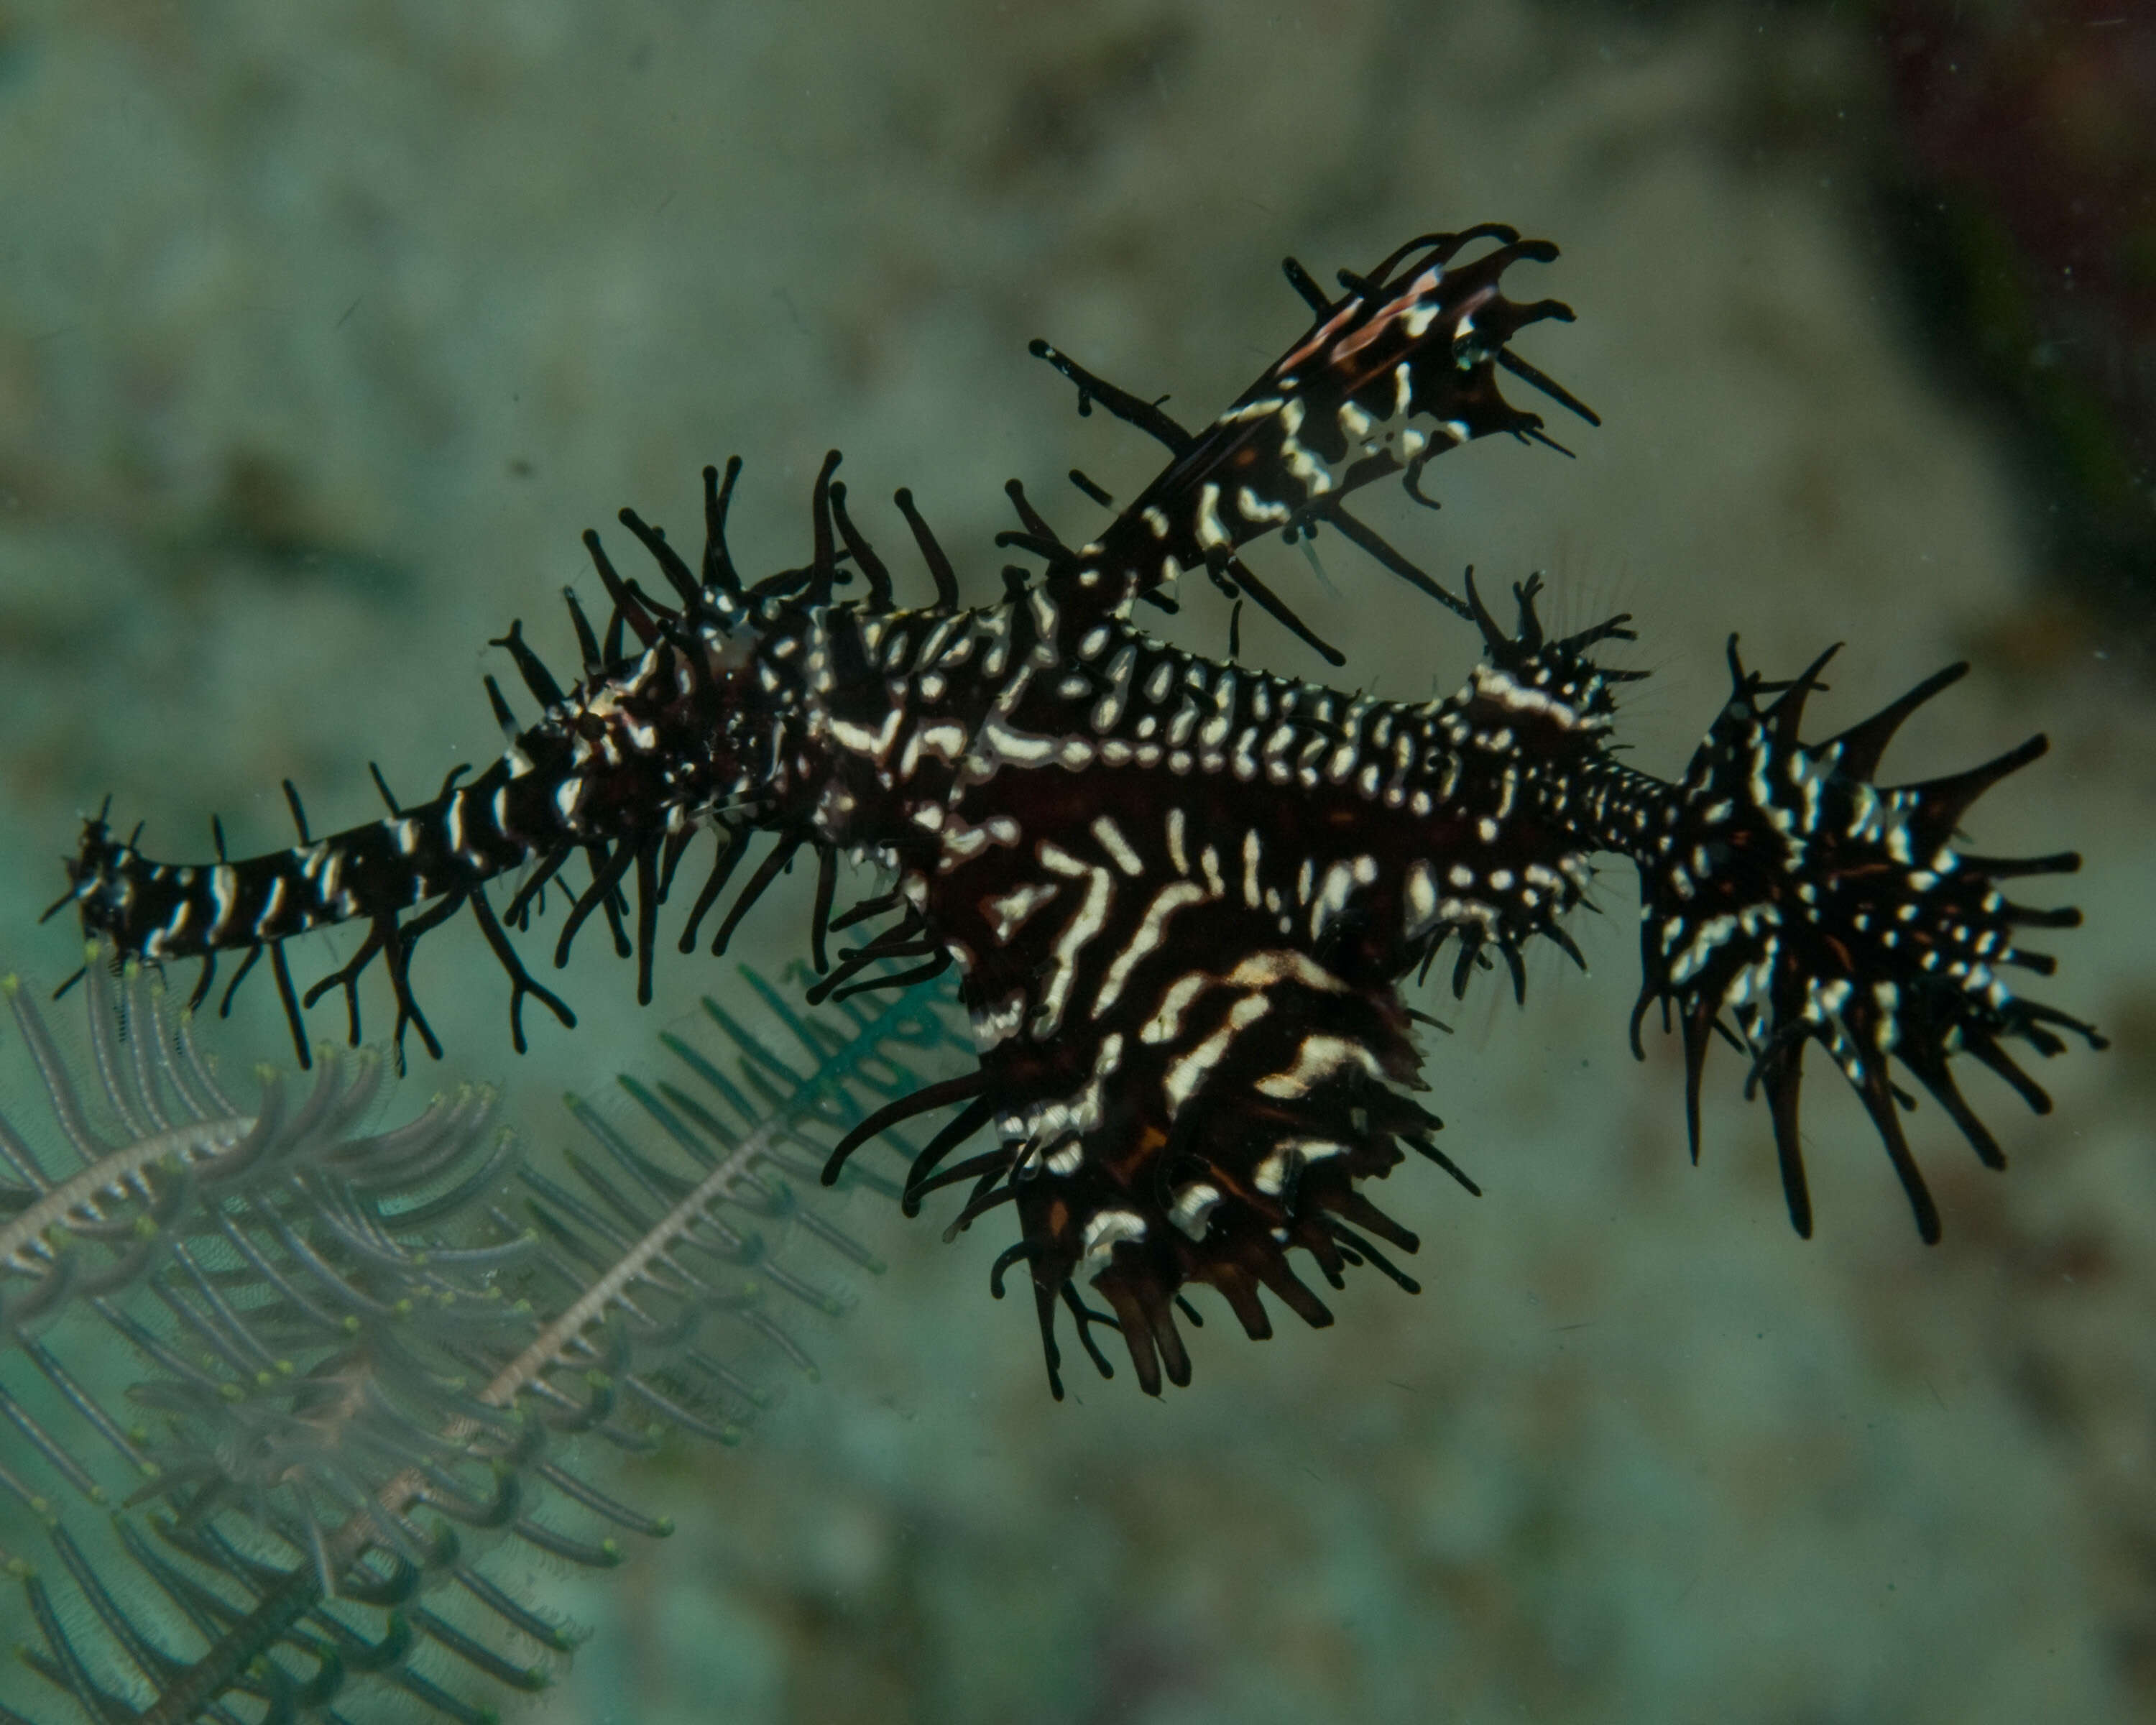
[(1182, 895)]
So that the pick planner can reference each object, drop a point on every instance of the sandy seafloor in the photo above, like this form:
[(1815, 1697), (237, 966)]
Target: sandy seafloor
[(324, 331)]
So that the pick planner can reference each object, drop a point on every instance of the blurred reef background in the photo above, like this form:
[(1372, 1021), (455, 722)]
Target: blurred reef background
[(324, 331)]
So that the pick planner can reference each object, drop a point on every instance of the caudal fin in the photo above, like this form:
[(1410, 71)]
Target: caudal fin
[(1796, 902)]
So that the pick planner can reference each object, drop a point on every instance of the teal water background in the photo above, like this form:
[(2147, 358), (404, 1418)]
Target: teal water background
[(325, 330)]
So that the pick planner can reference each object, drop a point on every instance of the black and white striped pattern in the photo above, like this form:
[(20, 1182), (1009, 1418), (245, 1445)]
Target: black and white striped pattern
[(1182, 895)]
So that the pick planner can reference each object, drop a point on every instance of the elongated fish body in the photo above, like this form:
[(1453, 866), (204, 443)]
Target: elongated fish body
[(1182, 893)]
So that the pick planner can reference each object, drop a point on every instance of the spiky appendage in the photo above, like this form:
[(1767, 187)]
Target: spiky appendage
[(1234, 1135), (1219, 1130), (1810, 904), (1400, 368), (625, 769)]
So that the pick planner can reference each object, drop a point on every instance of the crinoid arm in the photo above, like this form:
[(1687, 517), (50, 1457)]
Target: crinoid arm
[(1792, 901)]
